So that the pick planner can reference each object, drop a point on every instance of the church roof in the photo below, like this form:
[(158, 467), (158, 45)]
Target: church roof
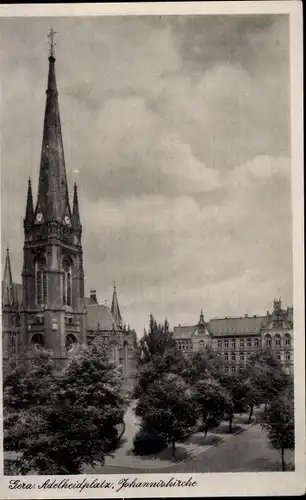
[(52, 199), (18, 292), (99, 317), (115, 308), (8, 290)]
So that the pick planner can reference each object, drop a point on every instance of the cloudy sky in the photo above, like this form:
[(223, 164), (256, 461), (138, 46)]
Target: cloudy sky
[(177, 132)]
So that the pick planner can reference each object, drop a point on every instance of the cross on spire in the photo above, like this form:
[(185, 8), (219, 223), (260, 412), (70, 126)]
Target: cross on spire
[(51, 41)]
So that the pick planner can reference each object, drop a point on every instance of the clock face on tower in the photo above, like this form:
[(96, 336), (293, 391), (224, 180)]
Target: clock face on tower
[(67, 220), (39, 217)]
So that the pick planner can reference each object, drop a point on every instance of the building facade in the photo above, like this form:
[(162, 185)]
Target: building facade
[(49, 309), (235, 339)]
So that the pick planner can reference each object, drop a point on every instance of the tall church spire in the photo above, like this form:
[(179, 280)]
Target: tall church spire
[(29, 213), (52, 199), (8, 293), (115, 308), (75, 208)]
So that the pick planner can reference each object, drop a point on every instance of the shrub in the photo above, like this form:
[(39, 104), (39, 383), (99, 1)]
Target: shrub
[(148, 442)]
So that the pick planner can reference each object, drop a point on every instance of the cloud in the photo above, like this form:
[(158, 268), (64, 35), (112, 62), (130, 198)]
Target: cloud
[(177, 132)]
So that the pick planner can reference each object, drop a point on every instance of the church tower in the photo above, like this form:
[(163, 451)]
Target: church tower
[(53, 312), (10, 311)]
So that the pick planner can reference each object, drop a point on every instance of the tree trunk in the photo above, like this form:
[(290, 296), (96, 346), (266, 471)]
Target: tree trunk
[(173, 449), (205, 431), (283, 458), (230, 428), (251, 413), (266, 404)]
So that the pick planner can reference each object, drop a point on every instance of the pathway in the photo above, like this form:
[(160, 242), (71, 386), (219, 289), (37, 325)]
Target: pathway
[(249, 451), (196, 444)]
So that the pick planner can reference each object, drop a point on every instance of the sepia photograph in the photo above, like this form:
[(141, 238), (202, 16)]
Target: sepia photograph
[(147, 249)]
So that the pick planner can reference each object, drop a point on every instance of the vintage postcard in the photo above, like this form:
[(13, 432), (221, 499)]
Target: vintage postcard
[(152, 250)]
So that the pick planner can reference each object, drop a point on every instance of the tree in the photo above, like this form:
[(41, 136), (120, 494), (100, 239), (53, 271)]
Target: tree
[(28, 385), (213, 400), (156, 341), (157, 355), (237, 389), (76, 418), (204, 364), (266, 375), (278, 422), (168, 409)]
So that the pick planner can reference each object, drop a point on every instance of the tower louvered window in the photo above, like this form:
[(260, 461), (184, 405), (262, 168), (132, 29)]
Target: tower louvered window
[(66, 283), (41, 281)]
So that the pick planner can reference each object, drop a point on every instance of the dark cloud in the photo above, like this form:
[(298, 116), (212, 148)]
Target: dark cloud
[(160, 117)]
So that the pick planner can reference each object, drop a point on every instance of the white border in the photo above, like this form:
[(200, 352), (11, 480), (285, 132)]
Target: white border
[(227, 484)]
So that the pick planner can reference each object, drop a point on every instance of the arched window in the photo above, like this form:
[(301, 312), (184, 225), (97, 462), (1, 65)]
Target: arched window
[(114, 354), (71, 342), (287, 340), (41, 281), (277, 339), (38, 341), (66, 282), (268, 340)]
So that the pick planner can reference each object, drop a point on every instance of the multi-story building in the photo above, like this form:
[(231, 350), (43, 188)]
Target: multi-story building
[(235, 339), (49, 308)]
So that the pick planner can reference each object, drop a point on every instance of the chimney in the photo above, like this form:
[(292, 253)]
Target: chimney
[(93, 296)]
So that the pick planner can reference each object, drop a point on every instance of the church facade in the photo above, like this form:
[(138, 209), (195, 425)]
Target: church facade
[(49, 309)]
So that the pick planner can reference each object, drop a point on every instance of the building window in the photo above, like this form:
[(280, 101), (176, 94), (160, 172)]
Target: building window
[(241, 343), (201, 344), (242, 356), (287, 340), (226, 344), (220, 344), (114, 354), (125, 358), (66, 282), (233, 369), (233, 356), (288, 357), (71, 343), (233, 343), (278, 356), (268, 340), (38, 341), (249, 342), (226, 356), (226, 369), (256, 342), (41, 281), (277, 340)]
